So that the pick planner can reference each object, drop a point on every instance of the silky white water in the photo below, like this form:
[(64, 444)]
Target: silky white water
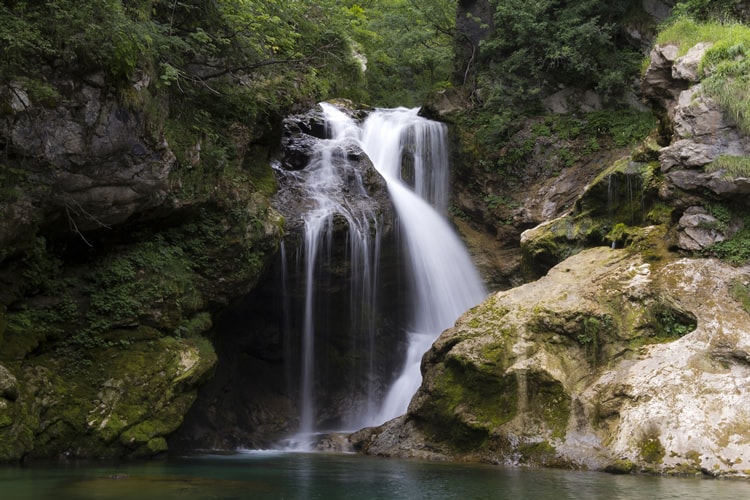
[(445, 281), (442, 280), (324, 182)]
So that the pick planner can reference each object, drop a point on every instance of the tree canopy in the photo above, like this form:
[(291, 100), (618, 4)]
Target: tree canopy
[(301, 48)]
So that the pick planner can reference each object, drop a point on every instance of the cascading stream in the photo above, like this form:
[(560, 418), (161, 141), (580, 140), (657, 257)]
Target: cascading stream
[(445, 281), (410, 153)]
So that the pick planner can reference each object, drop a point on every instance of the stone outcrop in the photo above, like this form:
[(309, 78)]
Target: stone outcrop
[(88, 157), (609, 362), (701, 134), (362, 188), (59, 409), (115, 257)]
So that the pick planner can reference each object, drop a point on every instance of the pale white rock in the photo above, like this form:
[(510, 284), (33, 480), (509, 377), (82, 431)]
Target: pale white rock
[(686, 67), (676, 407)]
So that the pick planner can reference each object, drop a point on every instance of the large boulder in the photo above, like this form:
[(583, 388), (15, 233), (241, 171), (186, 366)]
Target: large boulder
[(609, 362)]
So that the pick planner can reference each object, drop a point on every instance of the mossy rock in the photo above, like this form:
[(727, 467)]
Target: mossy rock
[(612, 211), (116, 401), (548, 244), (620, 466)]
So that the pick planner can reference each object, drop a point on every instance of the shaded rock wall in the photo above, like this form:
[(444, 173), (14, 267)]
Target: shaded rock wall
[(253, 400), (115, 257)]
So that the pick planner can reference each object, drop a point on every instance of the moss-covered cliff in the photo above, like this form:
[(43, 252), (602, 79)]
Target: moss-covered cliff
[(135, 175)]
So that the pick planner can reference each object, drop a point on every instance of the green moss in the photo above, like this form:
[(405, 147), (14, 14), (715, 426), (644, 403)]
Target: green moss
[(261, 175), (156, 445), (124, 401), (144, 432), (539, 453), (6, 417), (620, 466), (660, 214), (739, 289), (549, 400), (200, 323), (622, 193), (652, 244), (651, 449), (554, 242), (593, 332), (466, 405), (618, 235)]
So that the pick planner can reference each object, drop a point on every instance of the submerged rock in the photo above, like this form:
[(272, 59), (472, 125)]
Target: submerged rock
[(607, 360)]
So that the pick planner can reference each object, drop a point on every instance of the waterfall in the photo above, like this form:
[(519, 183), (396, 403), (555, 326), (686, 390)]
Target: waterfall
[(410, 152), (325, 178), (445, 282)]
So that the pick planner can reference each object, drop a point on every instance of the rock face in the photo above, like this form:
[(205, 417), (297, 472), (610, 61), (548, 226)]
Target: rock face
[(608, 362), (115, 257), (90, 159), (701, 134), (619, 360)]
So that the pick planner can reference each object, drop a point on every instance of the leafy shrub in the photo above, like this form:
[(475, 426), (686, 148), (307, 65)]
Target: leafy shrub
[(548, 42), (739, 290), (713, 9), (735, 249)]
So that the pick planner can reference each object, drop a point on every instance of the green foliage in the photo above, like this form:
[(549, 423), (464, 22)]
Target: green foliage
[(594, 334), (190, 45), (735, 249), (739, 290), (125, 285), (408, 45), (722, 213), (685, 32), (713, 9), (494, 201), (650, 447), (548, 42), (573, 136), (669, 323), (82, 35)]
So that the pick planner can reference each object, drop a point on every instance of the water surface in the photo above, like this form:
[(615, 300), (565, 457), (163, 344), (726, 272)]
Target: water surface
[(281, 475)]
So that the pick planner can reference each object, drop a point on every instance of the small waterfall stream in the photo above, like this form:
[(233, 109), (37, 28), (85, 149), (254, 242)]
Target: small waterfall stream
[(410, 153), (444, 281)]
